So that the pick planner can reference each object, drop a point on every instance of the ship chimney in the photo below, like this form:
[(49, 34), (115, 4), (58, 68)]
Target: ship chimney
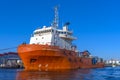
[(65, 27)]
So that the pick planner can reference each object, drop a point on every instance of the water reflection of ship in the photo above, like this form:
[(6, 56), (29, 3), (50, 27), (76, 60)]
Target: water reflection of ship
[(53, 75)]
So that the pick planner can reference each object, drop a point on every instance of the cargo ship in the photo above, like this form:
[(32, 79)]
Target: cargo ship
[(51, 48)]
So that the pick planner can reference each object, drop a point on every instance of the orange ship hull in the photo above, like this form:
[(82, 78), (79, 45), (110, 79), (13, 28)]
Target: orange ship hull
[(44, 57), (87, 63)]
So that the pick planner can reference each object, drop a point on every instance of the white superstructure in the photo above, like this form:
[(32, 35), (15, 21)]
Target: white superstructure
[(53, 36)]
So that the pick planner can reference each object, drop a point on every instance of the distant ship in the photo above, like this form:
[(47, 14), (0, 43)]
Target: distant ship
[(51, 48)]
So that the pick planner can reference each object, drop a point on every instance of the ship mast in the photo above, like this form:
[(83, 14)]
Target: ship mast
[(56, 17)]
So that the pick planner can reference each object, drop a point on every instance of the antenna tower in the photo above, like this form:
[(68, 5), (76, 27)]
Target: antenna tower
[(56, 18)]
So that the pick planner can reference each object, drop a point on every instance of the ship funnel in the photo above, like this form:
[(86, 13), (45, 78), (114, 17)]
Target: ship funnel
[(67, 23), (65, 27)]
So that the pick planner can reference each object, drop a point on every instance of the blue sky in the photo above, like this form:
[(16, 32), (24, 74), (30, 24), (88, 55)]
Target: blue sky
[(96, 23)]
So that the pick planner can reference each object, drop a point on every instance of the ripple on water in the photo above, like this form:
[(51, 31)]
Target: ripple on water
[(107, 73)]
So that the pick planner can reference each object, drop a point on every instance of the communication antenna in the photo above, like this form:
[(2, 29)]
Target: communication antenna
[(56, 17)]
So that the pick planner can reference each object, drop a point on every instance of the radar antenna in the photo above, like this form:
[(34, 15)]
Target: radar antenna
[(56, 18)]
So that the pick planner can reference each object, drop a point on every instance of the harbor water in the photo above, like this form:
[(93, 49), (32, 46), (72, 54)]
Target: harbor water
[(107, 73)]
